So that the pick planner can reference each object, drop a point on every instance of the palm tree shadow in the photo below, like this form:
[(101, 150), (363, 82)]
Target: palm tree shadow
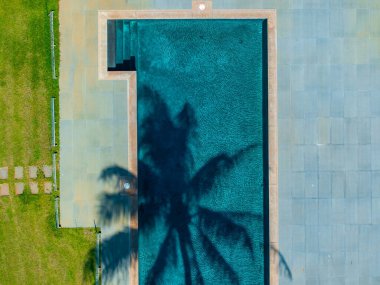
[(170, 193)]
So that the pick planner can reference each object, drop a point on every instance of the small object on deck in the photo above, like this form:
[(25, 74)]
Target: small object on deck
[(33, 187), (33, 172), (19, 172), (127, 185), (4, 189), (19, 188), (3, 172)]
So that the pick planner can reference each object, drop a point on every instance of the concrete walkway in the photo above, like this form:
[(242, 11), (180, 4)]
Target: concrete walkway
[(93, 125)]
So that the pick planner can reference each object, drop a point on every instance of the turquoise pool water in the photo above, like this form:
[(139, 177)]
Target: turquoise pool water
[(202, 149)]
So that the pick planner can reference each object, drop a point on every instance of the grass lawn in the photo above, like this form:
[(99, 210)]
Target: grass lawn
[(32, 251), (26, 84)]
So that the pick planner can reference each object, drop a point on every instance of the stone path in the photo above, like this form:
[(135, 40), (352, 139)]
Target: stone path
[(4, 173), (32, 174), (4, 189)]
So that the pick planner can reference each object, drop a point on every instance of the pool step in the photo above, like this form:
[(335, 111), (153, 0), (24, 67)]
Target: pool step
[(126, 41), (121, 45), (111, 42), (133, 37), (119, 42)]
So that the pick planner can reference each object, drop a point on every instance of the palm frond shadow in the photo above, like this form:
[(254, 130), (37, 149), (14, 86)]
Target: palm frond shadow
[(170, 190), (282, 266)]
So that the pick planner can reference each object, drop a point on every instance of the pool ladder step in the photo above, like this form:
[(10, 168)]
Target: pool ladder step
[(111, 42), (121, 42)]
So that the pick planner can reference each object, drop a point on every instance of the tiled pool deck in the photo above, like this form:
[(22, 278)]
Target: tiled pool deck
[(329, 127)]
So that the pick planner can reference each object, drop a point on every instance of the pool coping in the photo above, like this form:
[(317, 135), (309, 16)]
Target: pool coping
[(130, 76)]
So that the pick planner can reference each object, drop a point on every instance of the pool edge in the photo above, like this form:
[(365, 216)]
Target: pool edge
[(130, 76)]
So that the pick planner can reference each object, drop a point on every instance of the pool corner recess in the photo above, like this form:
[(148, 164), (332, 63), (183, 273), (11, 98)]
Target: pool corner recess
[(181, 69)]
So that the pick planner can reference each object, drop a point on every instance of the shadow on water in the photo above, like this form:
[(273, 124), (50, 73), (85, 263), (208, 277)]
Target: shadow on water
[(170, 190)]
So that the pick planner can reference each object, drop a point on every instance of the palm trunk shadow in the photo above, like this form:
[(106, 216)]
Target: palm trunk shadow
[(170, 192)]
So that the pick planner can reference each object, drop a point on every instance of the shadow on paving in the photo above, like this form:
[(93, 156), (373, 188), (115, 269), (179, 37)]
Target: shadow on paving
[(170, 192)]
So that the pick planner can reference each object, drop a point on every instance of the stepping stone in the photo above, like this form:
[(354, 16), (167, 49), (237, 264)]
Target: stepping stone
[(32, 172), (33, 187), (48, 170), (19, 188), (19, 172), (4, 189), (48, 186), (3, 172)]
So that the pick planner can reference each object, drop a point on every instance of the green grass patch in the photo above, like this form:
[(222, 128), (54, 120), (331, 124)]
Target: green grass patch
[(32, 249), (26, 84)]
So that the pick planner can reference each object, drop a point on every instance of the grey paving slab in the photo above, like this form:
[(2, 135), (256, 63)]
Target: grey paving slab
[(19, 172), (33, 186), (375, 153), (3, 172), (310, 158), (337, 131), (298, 185), (365, 183), (19, 188), (324, 184), (47, 170), (48, 187), (311, 184), (4, 189), (338, 211), (311, 215), (364, 131), (33, 172)]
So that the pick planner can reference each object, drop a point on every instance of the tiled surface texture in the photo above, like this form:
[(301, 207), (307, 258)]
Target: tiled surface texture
[(93, 122)]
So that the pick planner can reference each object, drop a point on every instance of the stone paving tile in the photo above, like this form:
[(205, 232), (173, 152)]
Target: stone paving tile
[(3, 172), (48, 186), (33, 172), (19, 188), (48, 170), (4, 189), (33, 187), (19, 172)]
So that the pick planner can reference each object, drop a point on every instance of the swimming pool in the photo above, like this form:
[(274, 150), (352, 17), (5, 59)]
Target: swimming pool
[(202, 136)]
